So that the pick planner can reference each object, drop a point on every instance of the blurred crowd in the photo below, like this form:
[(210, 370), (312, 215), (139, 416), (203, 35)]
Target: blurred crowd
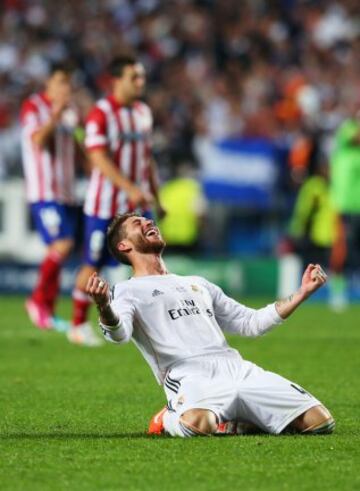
[(217, 68)]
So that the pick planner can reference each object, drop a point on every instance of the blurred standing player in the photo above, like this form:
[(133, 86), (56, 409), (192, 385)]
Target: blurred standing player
[(118, 142), (316, 230), (345, 193), (48, 150)]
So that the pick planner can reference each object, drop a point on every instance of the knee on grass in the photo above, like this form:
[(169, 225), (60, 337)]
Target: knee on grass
[(316, 420), (199, 421)]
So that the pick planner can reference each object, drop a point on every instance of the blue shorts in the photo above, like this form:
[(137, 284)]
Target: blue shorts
[(96, 252), (54, 221)]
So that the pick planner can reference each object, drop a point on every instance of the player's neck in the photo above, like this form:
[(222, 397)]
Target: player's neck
[(149, 264), (121, 99)]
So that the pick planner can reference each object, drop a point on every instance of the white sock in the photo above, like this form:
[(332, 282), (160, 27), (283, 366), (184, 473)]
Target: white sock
[(174, 427)]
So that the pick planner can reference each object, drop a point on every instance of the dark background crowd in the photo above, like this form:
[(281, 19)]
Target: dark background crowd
[(277, 68)]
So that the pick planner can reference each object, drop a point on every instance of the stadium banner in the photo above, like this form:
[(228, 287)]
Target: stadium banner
[(238, 172)]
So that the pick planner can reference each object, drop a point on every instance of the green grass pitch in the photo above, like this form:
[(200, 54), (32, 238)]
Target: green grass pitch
[(75, 419)]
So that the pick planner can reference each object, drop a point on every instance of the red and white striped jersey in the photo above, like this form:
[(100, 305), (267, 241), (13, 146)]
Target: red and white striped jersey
[(125, 132), (49, 172)]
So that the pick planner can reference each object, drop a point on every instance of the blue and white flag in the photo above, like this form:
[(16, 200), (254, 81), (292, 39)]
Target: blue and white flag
[(240, 172)]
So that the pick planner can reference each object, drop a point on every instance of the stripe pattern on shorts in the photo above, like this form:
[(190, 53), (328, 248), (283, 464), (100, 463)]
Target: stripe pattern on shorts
[(172, 384)]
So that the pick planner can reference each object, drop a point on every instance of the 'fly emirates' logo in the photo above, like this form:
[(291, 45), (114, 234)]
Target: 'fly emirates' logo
[(188, 307)]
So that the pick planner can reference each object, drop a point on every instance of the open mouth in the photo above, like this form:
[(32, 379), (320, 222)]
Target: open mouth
[(152, 232)]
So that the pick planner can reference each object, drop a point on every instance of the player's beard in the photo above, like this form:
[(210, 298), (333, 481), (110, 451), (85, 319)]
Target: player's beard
[(149, 247)]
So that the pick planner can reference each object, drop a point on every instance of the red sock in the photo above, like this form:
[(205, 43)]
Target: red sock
[(52, 292), (47, 287), (81, 305)]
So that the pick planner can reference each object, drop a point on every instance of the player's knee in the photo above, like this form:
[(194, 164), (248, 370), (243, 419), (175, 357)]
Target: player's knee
[(63, 246), (316, 420), (199, 421)]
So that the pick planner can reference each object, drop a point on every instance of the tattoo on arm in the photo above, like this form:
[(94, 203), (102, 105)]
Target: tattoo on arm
[(285, 301), (108, 316), (287, 306)]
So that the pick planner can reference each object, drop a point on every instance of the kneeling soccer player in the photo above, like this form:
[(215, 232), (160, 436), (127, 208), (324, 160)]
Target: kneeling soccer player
[(177, 322)]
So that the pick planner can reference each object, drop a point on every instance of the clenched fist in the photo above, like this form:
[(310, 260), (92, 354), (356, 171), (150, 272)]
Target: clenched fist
[(99, 290), (313, 278)]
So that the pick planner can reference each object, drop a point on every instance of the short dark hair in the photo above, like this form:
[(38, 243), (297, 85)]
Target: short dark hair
[(117, 65), (65, 67), (115, 234)]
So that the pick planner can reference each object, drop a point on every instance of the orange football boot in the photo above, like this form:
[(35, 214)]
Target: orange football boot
[(156, 426)]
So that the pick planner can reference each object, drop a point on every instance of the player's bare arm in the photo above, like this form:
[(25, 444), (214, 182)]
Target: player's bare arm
[(154, 186), (99, 158), (313, 278), (99, 290)]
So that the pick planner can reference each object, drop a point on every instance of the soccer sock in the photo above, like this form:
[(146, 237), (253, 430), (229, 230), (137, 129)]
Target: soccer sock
[(322, 428), (47, 287), (237, 428), (81, 305), (52, 291), (174, 427), (337, 289)]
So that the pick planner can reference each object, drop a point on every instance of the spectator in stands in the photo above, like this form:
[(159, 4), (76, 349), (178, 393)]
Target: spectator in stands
[(258, 67)]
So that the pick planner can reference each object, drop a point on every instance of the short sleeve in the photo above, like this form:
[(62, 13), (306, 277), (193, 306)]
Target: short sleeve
[(29, 116), (96, 130), (148, 122)]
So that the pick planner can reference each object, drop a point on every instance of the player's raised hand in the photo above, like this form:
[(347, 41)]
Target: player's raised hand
[(313, 278), (99, 290)]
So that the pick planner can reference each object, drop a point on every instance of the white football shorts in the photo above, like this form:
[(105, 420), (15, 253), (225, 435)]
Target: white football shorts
[(235, 389)]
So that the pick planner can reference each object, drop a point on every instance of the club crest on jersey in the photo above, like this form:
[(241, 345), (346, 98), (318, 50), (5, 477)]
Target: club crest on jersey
[(156, 293), (195, 288), (180, 289), (180, 401)]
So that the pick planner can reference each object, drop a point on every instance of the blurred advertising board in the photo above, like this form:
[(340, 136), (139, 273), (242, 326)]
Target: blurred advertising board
[(235, 277), (268, 278)]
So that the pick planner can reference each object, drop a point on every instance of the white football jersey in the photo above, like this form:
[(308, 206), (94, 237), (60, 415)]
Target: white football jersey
[(171, 318)]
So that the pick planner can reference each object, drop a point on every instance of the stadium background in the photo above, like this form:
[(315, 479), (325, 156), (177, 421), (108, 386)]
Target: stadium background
[(238, 91), (252, 84)]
